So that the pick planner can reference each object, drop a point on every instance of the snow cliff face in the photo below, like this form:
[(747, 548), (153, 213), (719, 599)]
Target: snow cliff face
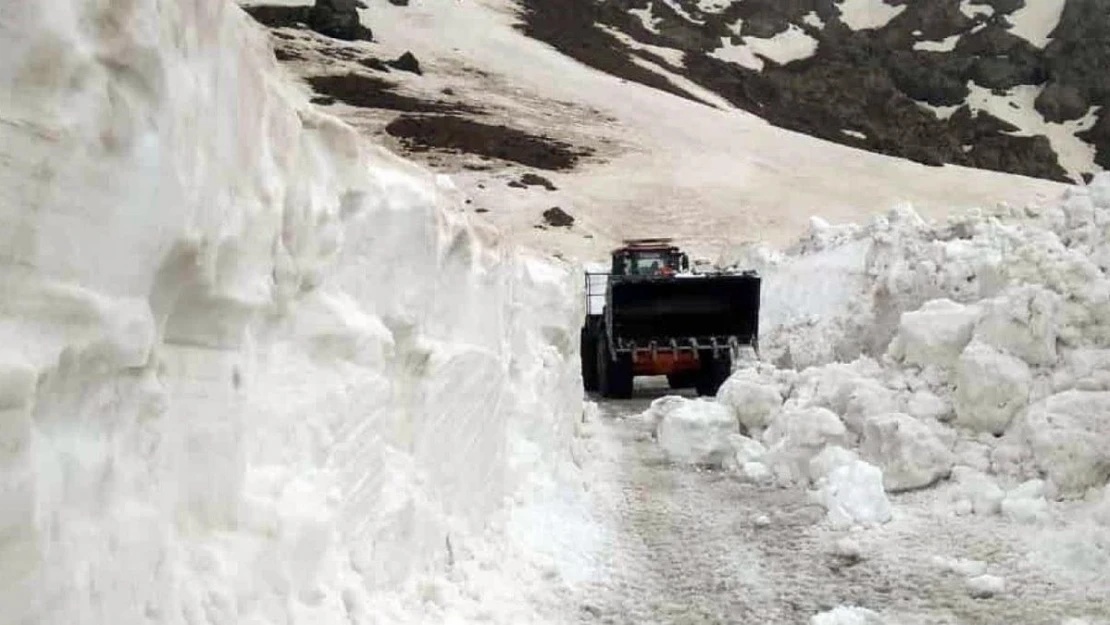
[(251, 368)]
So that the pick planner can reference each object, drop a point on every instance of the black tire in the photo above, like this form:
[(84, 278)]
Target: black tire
[(684, 379), (588, 348), (713, 373), (614, 376)]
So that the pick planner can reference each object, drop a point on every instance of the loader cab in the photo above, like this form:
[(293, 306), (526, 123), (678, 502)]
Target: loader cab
[(649, 257)]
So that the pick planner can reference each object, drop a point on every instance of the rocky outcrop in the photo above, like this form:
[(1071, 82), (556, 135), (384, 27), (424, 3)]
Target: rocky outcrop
[(334, 18), (339, 19), (871, 81)]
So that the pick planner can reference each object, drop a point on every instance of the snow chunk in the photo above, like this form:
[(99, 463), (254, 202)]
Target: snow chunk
[(848, 548), (978, 491), (985, 586), (935, 334), (661, 407), (961, 566), (697, 432), (909, 453), (846, 615), (752, 399), (796, 437), (868, 398), (1022, 323), (991, 387), (1067, 435), (830, 458), (853, 494), (746, 460), (925, 404), (1026, 503)]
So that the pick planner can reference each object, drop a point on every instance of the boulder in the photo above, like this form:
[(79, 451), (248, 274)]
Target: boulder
[(1061, 103), (558, 218), (407, 63), (338, 19)]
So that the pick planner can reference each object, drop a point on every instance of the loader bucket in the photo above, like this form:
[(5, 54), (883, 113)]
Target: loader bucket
[(644, 310)]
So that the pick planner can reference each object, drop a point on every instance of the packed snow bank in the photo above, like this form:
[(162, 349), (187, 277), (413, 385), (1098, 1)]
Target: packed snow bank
[(252, 369)]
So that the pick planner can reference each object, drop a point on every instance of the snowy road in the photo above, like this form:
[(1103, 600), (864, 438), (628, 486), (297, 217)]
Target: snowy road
[(689, 546)]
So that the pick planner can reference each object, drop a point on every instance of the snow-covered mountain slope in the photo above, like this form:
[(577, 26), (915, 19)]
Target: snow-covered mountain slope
[(252, 368), (1021, 83), (658, 164)]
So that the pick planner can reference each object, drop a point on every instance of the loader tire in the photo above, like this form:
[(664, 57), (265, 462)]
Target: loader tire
[(713, 373), (614, 375), (588, 349)]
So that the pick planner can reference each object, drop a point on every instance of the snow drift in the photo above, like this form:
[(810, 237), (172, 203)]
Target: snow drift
[(251, 368)]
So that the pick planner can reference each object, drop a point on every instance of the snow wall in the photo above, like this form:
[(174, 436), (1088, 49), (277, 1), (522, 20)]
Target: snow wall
[(252, 369)]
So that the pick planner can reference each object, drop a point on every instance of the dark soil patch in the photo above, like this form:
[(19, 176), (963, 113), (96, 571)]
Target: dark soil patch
[(557, 218), (377, 65), (285, 54), (280, 16), (339, 22), (533, 180), (369, 92), (449, 132)]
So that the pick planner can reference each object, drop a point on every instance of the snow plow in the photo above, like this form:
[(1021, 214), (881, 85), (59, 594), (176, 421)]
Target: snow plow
[(649, 315)]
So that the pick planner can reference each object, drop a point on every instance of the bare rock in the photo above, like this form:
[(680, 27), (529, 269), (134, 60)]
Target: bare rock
[(557, 218)]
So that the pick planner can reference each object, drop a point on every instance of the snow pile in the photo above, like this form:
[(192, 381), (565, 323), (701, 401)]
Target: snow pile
[(974, 351), (251, 369)]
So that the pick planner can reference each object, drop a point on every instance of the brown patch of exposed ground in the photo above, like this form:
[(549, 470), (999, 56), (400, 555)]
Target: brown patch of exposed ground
[(453, 133)]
